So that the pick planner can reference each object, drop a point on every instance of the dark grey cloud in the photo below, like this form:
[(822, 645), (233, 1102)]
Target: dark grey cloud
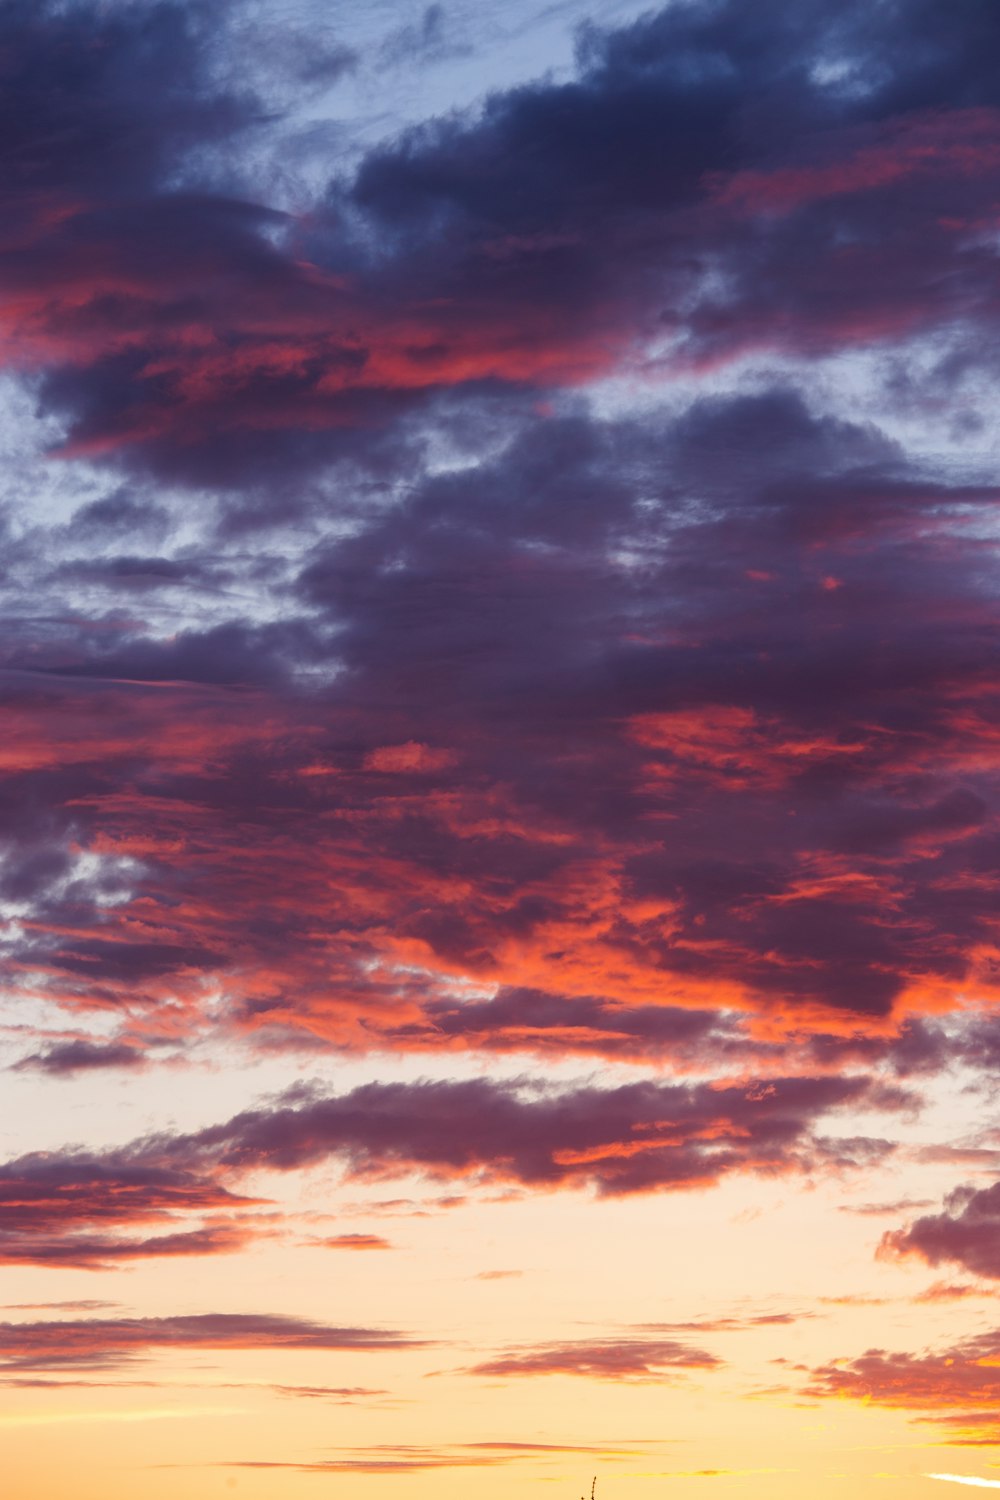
[(696, 176)]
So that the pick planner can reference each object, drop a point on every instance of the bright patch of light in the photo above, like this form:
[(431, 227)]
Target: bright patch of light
[(986, 1484)]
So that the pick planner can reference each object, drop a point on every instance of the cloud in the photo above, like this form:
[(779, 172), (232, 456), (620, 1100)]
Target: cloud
[(601, 1359), (643, 1136), (519, 591), (945, 1291), (730, 1324), (481, 849), (66, 1058), (876, 1210), (356, 1242), (410, 757), (90, 1212), (98, 1343), (965, 1233), (93, 1252), (79, 1304), (382, 674), (408, 1458), (955, 1386), (345, 1395), (362, 672), (425, 41), (179, 322)]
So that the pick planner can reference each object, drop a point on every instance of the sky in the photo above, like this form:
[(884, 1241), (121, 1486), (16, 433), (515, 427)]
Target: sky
[(500, 752)]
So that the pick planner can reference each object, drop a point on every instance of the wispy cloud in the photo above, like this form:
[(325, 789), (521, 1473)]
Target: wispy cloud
[(621, 1358), (96, 1343)]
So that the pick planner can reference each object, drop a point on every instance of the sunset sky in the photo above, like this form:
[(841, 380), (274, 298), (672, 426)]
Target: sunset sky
[(500, 754)]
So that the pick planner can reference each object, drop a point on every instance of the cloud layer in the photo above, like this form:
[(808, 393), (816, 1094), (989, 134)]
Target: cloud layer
[(421, 673), (507, 605)]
